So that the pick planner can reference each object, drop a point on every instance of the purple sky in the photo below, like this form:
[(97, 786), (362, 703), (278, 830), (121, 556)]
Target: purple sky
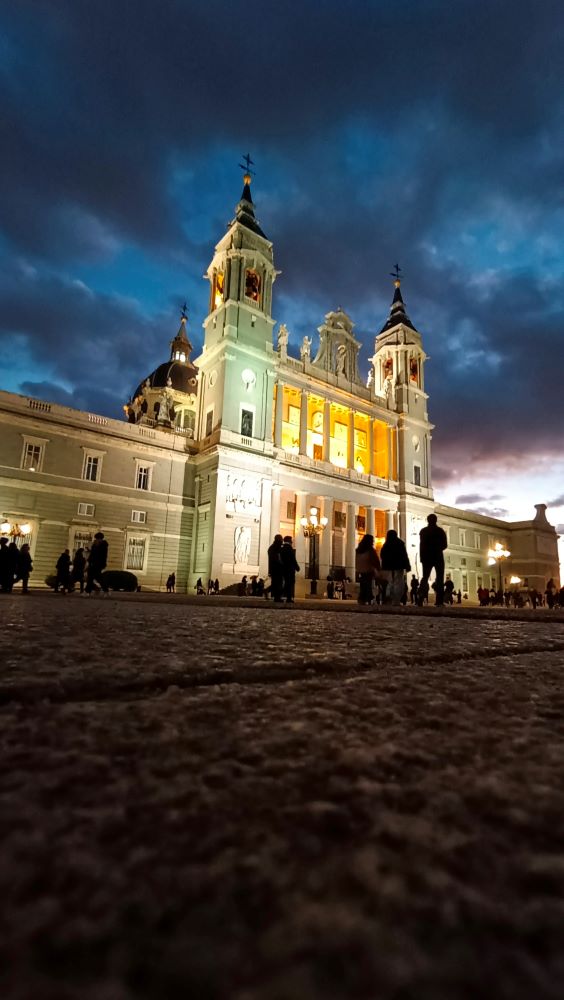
[(425, 132)]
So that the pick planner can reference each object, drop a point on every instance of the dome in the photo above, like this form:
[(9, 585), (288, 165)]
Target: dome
[(183, 376), (179, 369)]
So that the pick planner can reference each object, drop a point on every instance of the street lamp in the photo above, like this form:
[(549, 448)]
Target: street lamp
[(312, 526), (495, 555)]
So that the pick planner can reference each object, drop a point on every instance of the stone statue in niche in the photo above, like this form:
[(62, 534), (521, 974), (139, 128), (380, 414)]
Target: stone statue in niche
[(247, 423), (166, 408), (370, 379), (305, 349), (341, 360), (282, 340), (242, 545), (387, 388)]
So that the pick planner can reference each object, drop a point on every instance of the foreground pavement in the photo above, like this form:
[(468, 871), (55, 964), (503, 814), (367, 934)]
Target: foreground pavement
[(264, 804)]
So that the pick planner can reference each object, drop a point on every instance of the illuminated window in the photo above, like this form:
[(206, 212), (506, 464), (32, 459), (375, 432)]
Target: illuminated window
[(414, 371), (252, 285), (32, 457), (381, 451), (338, 445), (290, 510), (33, 454), (218, 288)]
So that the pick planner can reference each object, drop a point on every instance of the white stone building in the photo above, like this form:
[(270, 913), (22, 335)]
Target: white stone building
[(219, 454)]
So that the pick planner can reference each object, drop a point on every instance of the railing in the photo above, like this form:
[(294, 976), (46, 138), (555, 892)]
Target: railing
[(246, 441), (38, 404), (93, 418)]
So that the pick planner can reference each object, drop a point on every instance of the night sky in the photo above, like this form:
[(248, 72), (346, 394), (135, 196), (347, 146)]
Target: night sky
[(429, 132)]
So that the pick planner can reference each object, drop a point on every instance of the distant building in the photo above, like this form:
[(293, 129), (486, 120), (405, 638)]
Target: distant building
[(219, 454)]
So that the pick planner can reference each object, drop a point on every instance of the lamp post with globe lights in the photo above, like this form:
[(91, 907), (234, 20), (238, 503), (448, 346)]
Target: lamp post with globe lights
[(496, 555), (312, 527)]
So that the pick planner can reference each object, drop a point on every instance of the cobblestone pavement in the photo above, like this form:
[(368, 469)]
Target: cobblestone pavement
[(266, 804)]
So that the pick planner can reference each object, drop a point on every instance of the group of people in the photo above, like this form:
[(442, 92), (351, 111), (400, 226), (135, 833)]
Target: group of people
[(389, 569), (282, 569), (15, 565), (84, 569), (213, 587)]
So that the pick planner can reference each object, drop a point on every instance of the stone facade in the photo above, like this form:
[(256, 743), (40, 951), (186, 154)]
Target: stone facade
[(219, 454)]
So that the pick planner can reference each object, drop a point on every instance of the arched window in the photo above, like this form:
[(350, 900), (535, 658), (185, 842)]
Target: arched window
[(252, 285)]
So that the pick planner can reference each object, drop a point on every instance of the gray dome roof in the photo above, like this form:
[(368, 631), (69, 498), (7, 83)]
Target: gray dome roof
[(182, 374)]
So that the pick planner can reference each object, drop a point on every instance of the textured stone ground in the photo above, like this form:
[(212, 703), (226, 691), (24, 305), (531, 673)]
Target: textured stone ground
[(257, 804)]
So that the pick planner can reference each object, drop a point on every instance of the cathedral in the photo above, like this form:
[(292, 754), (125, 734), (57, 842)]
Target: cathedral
[(219, 453)]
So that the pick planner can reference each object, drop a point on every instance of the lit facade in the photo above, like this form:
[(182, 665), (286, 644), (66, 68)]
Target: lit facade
[(219, 454)]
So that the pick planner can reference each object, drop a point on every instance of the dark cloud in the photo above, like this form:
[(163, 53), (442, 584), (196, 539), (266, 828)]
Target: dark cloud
[(472, 498), (121, 128), (491, 511), (557, 502)]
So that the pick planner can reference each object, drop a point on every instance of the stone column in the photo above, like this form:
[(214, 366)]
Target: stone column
[(326, 429), (350, 541), (350, 441), (275, 511), (370, 446), (325, 545), (299, 540), (264, 527), (278, 414), (369, 520), (389, 520), (303, 423)]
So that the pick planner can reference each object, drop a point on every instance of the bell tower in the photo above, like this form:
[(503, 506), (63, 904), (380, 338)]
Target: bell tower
[(237, 351), (399, 376)]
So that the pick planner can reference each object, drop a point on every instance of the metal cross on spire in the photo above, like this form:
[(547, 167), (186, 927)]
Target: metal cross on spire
[(396, 272), (247, 165), (184, 313)]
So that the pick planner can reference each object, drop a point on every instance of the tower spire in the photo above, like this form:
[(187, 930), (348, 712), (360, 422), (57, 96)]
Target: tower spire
[(245, 210), (398, 313), (181, 347)]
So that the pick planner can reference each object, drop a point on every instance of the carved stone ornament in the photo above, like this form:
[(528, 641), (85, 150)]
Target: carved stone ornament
[(242, 495), (242, 545)]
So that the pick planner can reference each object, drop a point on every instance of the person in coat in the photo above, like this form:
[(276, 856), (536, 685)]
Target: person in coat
[(4, 564), (78, 567), (12, 556), (367, 565), (395, 563), (97, 562), (289, 568), (432, 544), (63, 573), (275, 570), (24, 567)]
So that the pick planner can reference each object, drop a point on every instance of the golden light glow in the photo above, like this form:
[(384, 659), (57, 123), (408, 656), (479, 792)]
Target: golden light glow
[(359, 466), (25, 528), (5, 527), (324, 521), (218, 291), (498, 552), (515, 579)]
